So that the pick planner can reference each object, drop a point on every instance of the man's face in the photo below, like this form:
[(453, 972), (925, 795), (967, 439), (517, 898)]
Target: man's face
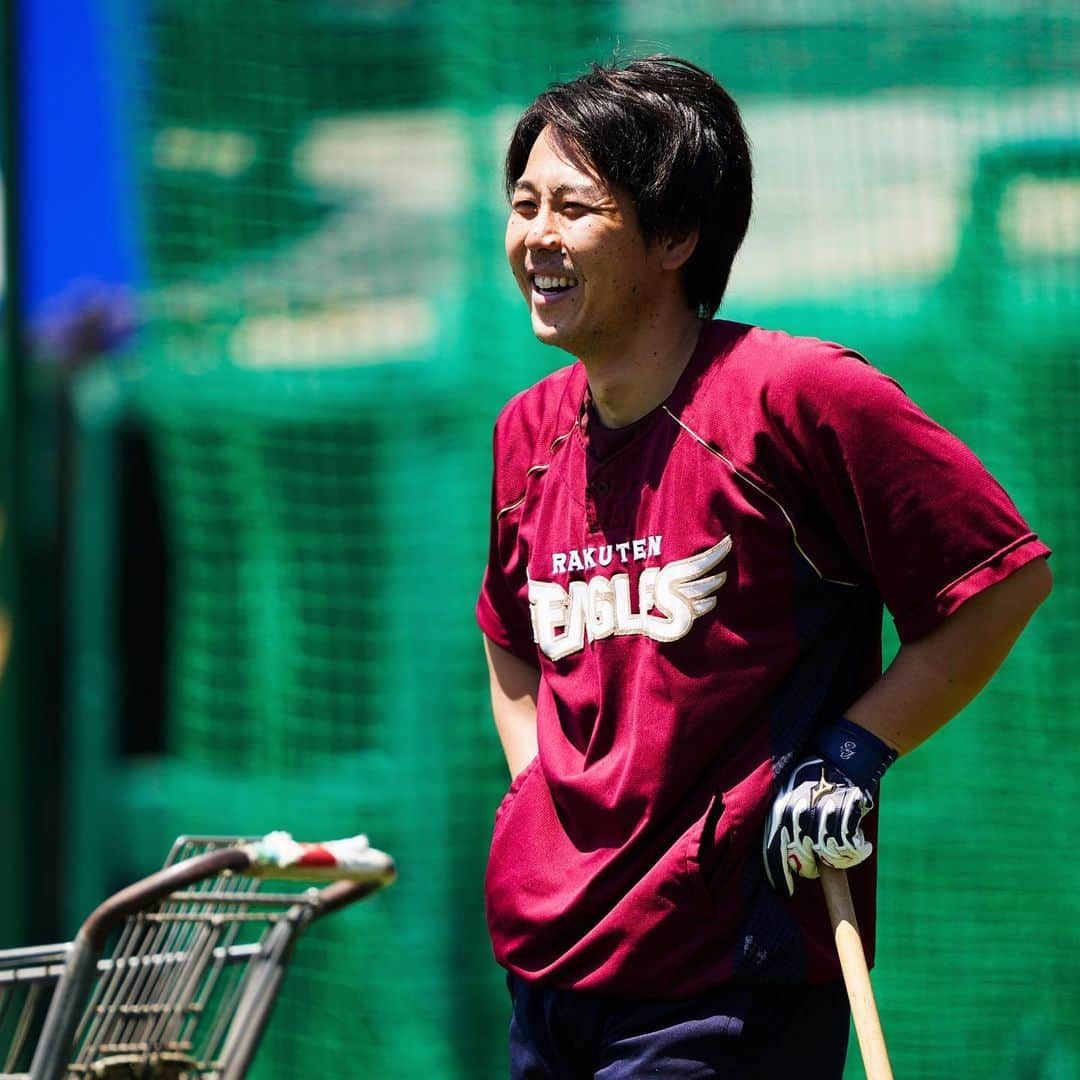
[(578, 255)]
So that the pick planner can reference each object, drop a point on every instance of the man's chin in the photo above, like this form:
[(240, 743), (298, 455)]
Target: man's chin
[(550, 334)]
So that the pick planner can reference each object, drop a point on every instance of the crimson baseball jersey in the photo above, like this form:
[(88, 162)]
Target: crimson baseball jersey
[(699, 592)]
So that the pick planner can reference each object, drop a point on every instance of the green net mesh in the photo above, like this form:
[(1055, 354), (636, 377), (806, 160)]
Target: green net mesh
[(331, 332)]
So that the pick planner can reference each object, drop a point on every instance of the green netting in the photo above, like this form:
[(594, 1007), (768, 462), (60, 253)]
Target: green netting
[(331, 331)]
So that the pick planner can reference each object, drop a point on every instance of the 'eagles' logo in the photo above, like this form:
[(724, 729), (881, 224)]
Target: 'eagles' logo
[(669, 599)]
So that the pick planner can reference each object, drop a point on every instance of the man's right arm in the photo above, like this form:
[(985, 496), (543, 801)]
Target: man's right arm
[(514, 685)]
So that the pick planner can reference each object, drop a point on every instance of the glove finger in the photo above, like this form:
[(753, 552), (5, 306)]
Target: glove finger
[(774, 851), (840, 819), (787, 858), (842, 830), (851, 822), (801, 857), (807, 864), (845, 856)]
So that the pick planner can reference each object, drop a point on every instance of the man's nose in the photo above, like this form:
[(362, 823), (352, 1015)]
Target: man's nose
[(542, 234)]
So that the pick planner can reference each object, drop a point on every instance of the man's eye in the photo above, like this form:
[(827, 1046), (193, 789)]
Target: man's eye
[(523, 207), (574, 209)]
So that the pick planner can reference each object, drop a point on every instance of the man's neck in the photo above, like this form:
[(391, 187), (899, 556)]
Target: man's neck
[(629, 382)]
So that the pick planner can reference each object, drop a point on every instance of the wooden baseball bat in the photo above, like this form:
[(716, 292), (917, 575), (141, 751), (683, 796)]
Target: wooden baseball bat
[(856, 975)]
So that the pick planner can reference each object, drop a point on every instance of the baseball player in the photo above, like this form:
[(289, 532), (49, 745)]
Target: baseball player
[(695, 527)]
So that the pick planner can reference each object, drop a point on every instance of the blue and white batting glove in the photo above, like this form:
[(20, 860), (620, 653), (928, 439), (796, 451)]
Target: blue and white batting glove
[(818, 812)]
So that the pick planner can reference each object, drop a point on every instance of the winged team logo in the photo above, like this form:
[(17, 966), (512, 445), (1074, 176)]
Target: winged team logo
[(669, 600)]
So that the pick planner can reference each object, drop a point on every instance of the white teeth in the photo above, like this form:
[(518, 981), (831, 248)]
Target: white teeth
[(544, 282)]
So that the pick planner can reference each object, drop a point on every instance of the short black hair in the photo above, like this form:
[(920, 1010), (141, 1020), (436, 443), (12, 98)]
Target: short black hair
[(667, 133)]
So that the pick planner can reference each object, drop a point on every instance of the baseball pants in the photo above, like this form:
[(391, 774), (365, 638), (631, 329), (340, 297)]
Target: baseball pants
[(731, 1033)]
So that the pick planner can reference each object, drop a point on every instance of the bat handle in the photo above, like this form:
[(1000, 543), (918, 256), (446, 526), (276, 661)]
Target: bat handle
[(849, 948)]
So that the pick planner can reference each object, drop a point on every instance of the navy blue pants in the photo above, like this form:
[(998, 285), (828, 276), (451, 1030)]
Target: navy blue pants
[(733, 1033)]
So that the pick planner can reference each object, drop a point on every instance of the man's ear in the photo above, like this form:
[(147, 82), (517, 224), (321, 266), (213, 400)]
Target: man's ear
[(675, 250)]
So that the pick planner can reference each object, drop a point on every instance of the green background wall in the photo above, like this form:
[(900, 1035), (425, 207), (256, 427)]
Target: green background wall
[(329, 333)]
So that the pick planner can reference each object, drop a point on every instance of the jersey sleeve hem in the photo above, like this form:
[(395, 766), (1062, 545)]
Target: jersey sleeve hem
[(493, 628), (918, 622)]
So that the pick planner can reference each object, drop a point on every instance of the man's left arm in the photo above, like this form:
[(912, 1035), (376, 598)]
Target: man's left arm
[(932, 679), (818, 812)]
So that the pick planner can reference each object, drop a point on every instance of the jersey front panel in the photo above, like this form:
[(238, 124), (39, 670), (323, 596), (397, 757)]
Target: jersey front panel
[(692, 623)]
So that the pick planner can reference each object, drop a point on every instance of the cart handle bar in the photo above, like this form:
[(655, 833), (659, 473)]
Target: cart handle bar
[(356, 869)]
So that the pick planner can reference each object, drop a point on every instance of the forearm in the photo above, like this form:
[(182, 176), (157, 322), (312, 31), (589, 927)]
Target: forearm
[(519, 745), (932, 679), (514, 686)]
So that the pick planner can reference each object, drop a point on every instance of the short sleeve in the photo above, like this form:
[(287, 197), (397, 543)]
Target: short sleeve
[(915, 508), (502, 610)]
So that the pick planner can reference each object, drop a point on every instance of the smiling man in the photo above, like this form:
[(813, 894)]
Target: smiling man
[(695, 529)]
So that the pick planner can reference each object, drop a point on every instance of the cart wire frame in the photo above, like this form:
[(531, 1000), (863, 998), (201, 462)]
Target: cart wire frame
[(175, 976)]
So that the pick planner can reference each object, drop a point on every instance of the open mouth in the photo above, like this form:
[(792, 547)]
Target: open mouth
[(551, 285)]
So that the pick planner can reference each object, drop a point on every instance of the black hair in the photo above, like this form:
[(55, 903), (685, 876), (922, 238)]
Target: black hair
[(668, 134)]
